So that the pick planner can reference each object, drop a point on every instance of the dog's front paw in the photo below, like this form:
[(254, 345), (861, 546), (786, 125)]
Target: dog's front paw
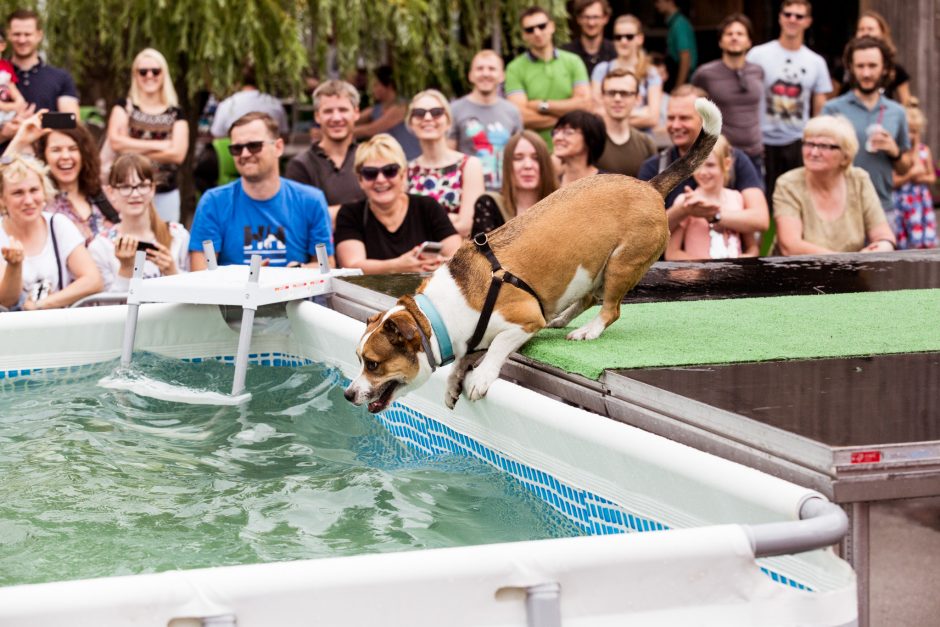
[(451, 396), (478, 383)]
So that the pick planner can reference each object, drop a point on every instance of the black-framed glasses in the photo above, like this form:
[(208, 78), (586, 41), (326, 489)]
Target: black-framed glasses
[(528, 30), (143, 71), (435, 112), (564, 131), (625, 36), (253, 147), (821, 147), (622, 93), (128, 190), (389, 171), (793, 16)]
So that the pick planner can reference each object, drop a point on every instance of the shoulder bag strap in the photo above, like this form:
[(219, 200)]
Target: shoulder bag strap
[(55, 249)]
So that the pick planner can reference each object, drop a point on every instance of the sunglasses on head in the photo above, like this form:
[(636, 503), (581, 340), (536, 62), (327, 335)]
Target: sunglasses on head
[(435, 112), (531, 29), (142, 72), (625, 36), (792, 16), (389, 171), (253, 147)]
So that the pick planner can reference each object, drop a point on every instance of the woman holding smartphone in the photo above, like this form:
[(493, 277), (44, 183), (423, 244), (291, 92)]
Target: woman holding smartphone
[(131, 188)]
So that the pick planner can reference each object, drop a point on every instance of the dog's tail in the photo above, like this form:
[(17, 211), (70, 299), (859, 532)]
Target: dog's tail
[(682, 168)]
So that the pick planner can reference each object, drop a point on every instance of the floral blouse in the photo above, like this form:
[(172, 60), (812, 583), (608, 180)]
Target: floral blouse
[(444, 185)]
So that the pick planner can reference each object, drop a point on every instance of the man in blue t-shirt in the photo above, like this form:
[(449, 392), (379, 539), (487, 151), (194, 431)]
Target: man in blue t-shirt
[(260, 213)]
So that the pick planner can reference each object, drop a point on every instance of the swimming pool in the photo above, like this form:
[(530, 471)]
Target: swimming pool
[(604, 477)]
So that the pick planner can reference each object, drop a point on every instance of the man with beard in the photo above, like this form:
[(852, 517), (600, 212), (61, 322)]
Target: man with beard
[(592, 17), (736, 87), (328, 163), (880, 123), (483, 120), (260, 213)]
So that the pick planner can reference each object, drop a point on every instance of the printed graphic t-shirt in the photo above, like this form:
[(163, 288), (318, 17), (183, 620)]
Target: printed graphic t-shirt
[(482, 131), (284, 228)]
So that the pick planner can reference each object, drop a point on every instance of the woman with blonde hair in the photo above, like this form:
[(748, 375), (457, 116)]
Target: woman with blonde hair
[(131, 187), (628, 41), (388, 230), (528, 177), (453, 179), (45, 264), (149, 122), (829, 205)]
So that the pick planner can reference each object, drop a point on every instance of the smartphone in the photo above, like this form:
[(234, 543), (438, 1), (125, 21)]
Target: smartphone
[(146, 246), (57, 119), (430, 249)]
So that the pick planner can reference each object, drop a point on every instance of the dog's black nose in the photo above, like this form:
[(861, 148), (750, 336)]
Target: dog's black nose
[(349, 394)]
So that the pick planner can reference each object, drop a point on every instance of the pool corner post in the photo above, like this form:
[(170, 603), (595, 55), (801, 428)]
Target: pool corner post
[(244, 333), (133, 310), (323, 259), (208, 250)]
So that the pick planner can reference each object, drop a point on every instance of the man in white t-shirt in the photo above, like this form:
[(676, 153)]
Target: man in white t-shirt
[(796, 81)]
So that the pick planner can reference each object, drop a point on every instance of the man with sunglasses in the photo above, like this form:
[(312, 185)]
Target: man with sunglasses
[(260, 213), (736, 86), (626, 148), (796, 81), (544, 82), (592, 17), (328, 163)]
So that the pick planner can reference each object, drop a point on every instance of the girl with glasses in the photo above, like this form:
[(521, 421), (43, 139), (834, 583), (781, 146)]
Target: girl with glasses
[(44, 261), (628, 40), (453, 179), (131, 188), (384, 233), (828, 205), (150, 123)]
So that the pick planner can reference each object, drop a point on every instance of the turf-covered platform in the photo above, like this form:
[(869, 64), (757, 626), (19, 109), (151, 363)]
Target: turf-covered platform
[(821, 370)]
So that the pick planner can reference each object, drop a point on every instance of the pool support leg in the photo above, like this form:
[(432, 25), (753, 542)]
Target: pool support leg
[(130, 323), (244, 334), (543, 605)]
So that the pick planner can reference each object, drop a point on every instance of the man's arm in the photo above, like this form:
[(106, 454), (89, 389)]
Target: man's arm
[(819, 101), (580, 99), (68, 104), (753, 217), (390, 117), (531, 118), (685, 63)]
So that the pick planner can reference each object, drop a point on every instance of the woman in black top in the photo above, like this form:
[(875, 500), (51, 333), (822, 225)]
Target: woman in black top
[(384, 233)]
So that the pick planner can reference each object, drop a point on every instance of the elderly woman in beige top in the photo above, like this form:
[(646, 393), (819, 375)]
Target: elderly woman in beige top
[(828, 205)]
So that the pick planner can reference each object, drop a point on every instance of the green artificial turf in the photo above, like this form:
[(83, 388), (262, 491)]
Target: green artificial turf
[(684, 333)]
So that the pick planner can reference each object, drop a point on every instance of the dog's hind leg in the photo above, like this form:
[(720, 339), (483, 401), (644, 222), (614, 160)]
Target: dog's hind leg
[(572, 311), (623, 272)]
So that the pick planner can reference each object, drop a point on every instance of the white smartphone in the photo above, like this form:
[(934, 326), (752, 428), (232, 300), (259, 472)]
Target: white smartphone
[(430, 249)]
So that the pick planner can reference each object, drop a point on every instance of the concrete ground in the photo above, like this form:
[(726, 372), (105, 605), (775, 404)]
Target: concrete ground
[(905, 563)]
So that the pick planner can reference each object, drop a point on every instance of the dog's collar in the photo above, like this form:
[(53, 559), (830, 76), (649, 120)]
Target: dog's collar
[(440, 332)]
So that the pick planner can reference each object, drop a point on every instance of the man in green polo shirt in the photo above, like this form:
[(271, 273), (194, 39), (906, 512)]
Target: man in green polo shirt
[(544, 82), (681, 49)]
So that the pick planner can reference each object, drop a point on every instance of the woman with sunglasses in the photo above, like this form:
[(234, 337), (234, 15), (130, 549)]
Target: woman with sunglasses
[(45, 264), (628, 41), (450, 177), (579, 138), (528, 177), (385, 232), (74, 168), (828, 205), (150, 123), (131, 186)]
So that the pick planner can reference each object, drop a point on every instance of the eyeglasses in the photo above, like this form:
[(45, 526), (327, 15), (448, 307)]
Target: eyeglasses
[(623, 93), (143, 71), (625, 36), (420, 114), (793, 16), (128, 190), (370, 173), (253, 147), (564, 131), (528, 30), (810, 146)]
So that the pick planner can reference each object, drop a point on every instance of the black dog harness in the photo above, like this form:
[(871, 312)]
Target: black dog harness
[(483, 245)]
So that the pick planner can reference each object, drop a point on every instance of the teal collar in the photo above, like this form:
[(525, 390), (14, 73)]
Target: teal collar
[(440, 331)]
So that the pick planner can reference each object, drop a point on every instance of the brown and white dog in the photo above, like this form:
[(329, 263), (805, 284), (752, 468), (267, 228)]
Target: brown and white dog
[(593, 239)]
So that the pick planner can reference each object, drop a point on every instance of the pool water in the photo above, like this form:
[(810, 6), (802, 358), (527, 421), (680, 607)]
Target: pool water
[(97, 482)]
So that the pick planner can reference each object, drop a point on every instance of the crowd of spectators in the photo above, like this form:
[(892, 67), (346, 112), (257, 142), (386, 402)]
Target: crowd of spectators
[(807, 164)]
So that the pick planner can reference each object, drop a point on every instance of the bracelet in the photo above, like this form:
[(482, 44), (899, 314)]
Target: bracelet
[(894, 246)]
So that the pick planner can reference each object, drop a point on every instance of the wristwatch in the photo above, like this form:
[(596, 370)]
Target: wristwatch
[(543, 106), (715, 218)]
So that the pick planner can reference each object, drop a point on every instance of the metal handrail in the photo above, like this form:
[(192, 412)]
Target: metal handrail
[(821, 524)]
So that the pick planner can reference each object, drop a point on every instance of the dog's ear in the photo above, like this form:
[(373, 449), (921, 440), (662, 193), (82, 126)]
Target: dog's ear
[(401, 327)]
